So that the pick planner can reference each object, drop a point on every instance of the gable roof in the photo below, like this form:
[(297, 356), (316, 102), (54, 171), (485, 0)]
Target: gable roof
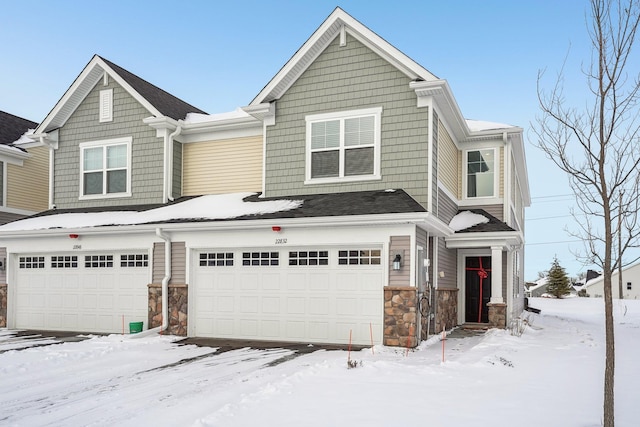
[(158, 102), (331, 28), (13, 127)]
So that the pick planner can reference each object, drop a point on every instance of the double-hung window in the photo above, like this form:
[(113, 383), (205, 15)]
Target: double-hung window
[(481, 173), (343, 146), (105, 168)]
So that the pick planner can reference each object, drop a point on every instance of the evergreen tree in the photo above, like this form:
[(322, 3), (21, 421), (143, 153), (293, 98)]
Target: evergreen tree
[(558, 283)]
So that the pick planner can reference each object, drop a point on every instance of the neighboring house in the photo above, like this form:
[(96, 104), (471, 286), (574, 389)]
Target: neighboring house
[(536, 289), (23, 170), (376, 196), (630, 284)]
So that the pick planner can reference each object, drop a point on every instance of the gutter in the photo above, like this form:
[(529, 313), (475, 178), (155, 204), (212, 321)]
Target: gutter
[(52, 146)]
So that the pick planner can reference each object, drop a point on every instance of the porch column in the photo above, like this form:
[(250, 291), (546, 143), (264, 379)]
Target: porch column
[(496, 275)]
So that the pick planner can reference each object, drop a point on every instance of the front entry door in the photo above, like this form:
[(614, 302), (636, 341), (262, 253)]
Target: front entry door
[(477, 288)]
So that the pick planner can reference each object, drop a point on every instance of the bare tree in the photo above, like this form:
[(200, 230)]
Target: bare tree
[(597, 145)]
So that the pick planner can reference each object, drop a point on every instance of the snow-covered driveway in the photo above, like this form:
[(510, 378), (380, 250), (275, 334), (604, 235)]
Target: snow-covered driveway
[(550, 376), (118, 380)]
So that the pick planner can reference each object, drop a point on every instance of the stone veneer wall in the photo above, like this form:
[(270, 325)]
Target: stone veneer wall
[(400, 316), (446, 309), (3, 305), (497, 315), (178, 308)]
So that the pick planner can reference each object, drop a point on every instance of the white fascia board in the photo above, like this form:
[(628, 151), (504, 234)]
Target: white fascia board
[(420, 219), (163, 125), (505, 239), (221, 129), (440, 91), (13, 155)]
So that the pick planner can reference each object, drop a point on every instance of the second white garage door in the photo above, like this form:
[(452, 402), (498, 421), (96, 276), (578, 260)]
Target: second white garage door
[(299, 295), (99, 292)]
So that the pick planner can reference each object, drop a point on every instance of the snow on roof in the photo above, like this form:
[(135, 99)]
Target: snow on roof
[(212, 207), (25, 138), (479, 125), (467, 219), (238, 113)]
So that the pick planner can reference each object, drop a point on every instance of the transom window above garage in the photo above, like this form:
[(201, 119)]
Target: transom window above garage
[(216, 259), (359, 257), (64, 261), (98, 261), (31, 262), (309, 258), (134, 260), (260, 258)]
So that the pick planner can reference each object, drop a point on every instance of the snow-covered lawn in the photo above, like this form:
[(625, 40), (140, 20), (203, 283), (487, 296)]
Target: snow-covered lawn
[(552, 375)]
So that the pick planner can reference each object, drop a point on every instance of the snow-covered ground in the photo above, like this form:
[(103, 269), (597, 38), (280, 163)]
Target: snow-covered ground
[(551, 375)]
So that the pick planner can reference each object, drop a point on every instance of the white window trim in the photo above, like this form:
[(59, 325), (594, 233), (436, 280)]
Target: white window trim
[(377, 113), (105, 143), (496, 175), (106, 106)]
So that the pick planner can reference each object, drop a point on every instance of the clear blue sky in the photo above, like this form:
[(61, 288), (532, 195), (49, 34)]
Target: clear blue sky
[(217, 55)]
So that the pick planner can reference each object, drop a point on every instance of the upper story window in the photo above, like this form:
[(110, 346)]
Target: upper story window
[(106, 105), (481, 173), (343, 146), (105, 168)]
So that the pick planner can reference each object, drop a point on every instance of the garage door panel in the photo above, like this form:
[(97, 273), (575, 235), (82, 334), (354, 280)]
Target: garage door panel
[(296, 305), (306, 299), (56, 296), (271, 305)]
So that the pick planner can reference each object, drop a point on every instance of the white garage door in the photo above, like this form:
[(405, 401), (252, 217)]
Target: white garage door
[(81, 292), (299, 295)]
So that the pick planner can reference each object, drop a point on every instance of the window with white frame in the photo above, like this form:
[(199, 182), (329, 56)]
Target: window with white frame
[(481, 173), (105, 168), (343, 146)]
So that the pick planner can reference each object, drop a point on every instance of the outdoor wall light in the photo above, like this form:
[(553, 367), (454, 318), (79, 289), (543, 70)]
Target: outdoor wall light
[(397, 262)]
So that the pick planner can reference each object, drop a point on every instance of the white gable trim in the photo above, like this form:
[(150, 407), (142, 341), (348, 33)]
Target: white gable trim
[(93, 73), (331, 28)]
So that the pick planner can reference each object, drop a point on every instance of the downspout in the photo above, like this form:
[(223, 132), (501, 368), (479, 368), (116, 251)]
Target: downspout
[(169, 164), (51, 163), (166, 278)]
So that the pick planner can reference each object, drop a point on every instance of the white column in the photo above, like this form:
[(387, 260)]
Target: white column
[(496, 275)]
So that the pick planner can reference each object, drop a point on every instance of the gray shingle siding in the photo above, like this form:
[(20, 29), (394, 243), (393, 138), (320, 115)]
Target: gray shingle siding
[(84, 126), (342, 79), (446, 207), (177, 169)]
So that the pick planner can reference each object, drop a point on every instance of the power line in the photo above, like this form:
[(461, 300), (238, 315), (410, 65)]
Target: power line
[(552, 243), (549, 197)]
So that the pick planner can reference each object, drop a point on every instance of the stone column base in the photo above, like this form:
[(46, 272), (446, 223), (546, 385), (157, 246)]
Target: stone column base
[(178, 308), (446, 309), (400, 316), (497, 314), (3, 305)]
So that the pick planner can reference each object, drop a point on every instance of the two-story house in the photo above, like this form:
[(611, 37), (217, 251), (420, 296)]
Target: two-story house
[(350, 201), (23, 170)]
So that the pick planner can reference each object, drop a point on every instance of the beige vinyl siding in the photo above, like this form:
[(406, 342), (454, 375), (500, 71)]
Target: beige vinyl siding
[(224, 166), (28, 185), (400, 244), (178, 263), (448, 161)]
